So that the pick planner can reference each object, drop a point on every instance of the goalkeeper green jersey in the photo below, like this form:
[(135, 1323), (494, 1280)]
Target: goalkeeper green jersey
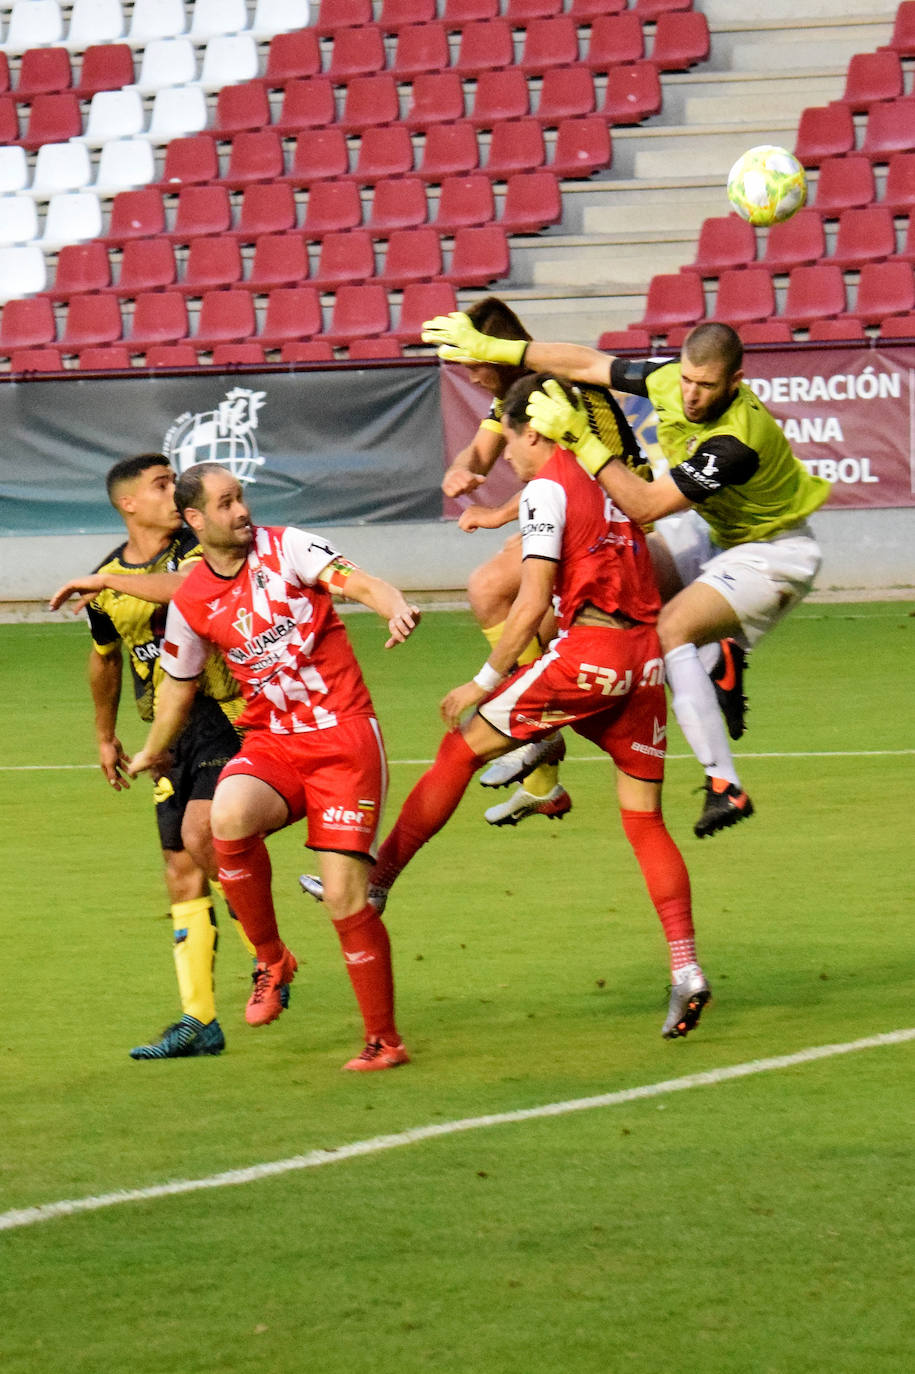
[(737, 469)]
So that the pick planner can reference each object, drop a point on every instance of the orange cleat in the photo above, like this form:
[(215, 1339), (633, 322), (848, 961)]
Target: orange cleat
[(378, 1055), (271, 989)]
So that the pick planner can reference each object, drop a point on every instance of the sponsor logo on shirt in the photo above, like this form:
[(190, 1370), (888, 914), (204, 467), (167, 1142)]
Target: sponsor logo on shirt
[(255, 645)]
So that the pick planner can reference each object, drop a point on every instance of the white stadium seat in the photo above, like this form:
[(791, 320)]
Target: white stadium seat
[(73, 217), (212, 17), (95, 21), (167, 62), (34, 24), (156, 19), (278, 16), (14, 170), (229, 60), (124, 164), (23, 271), (18, 219), (61, 167), (177, 111), (114, 114)]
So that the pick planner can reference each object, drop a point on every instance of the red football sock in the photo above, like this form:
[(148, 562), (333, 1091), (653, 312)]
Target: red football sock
[(667, 881), (427, 808), (245, 873), (367, 954)]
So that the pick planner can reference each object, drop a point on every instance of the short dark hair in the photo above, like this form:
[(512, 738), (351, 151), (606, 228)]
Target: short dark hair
[(514, 404), (492, 317), (712, 342), (189, 488), (126, 469)]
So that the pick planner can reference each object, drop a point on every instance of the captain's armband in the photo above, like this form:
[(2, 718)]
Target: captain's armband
[(336, 573)]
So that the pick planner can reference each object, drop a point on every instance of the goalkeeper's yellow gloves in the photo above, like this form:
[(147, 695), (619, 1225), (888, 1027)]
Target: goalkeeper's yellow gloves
[(566, 422), (460, 342)]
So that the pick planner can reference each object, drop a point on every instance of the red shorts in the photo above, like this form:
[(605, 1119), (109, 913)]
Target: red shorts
[(337, 778), (607, 684)]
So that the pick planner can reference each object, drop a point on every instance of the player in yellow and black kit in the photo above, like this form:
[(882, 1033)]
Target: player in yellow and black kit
[(142, 490)]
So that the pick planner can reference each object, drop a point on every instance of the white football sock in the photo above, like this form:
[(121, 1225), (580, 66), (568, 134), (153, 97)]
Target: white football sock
[(696, 708)]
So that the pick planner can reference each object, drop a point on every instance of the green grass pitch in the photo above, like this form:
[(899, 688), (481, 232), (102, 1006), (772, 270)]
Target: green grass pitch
[(757, 1225)]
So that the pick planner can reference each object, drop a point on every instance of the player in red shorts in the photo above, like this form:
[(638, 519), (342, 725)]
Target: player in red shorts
[(603, 675), (311, 746)]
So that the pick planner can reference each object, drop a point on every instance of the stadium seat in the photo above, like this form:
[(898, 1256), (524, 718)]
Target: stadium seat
[(565, 93), (104, 358), (890, 129), (829, 331), (464, 202), (864, 235), (370, 101), (124, 163), (27, 323), (766, 332), (54, 119), (279, 260), (436, 98), (225, 317), (95, 23), (480, 257), (615, 38), (532, 202), (633, 93), (190, 161), (43, 71), (549, 43), (522, 12), (92, 319), (586, 11), (255, 155), (624, 340), (421, 301), (81, 267), (396, 15), (899, 188), (135, 215), (266, 208), (907, 252), (211, 263), (359, 312), (319, 155), (796, 242), (725, 242), (18, 219), (345, 256), (413, 255), (342, 14), (5, 80), (333, 206), (238, 354), (113, 114), (484, 47), (399, 204), (36, 360), (292, 56), (583, 146), (146, 265), (458, 14), (897, 327), (176, 112), (673, 298), (23, 271), (240, 108), (105, 67), (307, 104), (814, 293), (449, 150), (214, 18), (884, 288), (824, 131), (872, 76), (499, 96), (34, 24), (14, 170), (272, 17), (362, 350), (307, 351), (9, 120), (384, 152), (159, 317), (72, 217), (744, 295), (200, 210), (167, 62), (515, 146), (681, 39), (356, 52), (420, 48), (902, 39), (60, 167), (843, 183), (650, 10), (156, 19), (165, 355)]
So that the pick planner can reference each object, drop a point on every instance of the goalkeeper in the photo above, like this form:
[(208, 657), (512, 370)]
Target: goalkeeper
[(756, 556)]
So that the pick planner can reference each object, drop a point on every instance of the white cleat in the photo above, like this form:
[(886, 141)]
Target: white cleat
[(522, 804), (688, 996), (515, 766), (312, 886)]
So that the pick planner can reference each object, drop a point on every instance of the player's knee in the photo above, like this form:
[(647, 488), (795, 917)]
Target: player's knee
[(490, 593), (183, 877)]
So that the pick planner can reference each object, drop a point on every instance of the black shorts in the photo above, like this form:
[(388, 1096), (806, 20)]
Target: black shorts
[(202, 750)]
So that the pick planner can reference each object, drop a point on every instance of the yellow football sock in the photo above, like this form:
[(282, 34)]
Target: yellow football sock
[(236, 923), (543, 779), (195, 953)]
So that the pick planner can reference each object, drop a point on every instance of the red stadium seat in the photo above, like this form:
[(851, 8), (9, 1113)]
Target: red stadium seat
[(370, 101), (347, 256), (24, 360), (332, 206), (241, 107), (106, 67), (899, 189), (52, 119), (865, 235), (897, 327), (828, 331), (279, 260), (307, 351), (824, 131), (256, 155), (796, 242), (902, 39), (422, 300), (146, 265), (586, 11), (5, 83), (615, 38), (201, 210), (9, 120), (356, 52), (515, 146), (521, 12), (413, 255), (459, 13), (399, 204), (27, 323), (465, 201), (890, 129), (293, 313), (872, 76), (292, 56), (159, 317), (436, 98), (211, 263), (238, 354), (549, 43), (843, 183), (80, 267), (420, 48), (532, 202), (170, 355), (744, 295), (307, 104), (583, 146), (625, 340), (499, 96), (342, 14), (480, 257), (766, 332), (884, 288), (267, 208), (450, 150), (681, 40), (650, 10), (673, 298), (633, 93), (400, 14), (384, 152), (135, 215), (319, 155), (43, 71), (814, 293), (485, 47), (104, 358), (381, 347), (225, 317), (190, 161), (725, 241), (565, 93), (359, 312), (92, 319)]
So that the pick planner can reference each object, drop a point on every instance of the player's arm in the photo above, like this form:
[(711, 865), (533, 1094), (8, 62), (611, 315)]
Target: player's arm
[(105, 670), (489, 518), (345, 579), (156, 587), (473, 464), (459, 342), (174, 700), (538, 576)]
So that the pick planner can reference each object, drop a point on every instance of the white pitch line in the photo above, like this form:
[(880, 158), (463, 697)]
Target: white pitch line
[(49, 1211)]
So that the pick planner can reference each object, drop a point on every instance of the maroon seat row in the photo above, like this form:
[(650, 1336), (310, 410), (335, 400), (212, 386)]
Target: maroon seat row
[(865, 234), (394, 15)]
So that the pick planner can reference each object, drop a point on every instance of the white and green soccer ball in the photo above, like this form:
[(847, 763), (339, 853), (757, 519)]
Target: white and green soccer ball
[(767, 185)]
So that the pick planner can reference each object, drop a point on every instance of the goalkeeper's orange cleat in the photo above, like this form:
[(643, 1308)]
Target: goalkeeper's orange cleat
[(377, 1055), (271, 989)]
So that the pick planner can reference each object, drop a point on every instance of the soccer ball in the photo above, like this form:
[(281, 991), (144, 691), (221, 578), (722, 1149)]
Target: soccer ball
[(767, 185)]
